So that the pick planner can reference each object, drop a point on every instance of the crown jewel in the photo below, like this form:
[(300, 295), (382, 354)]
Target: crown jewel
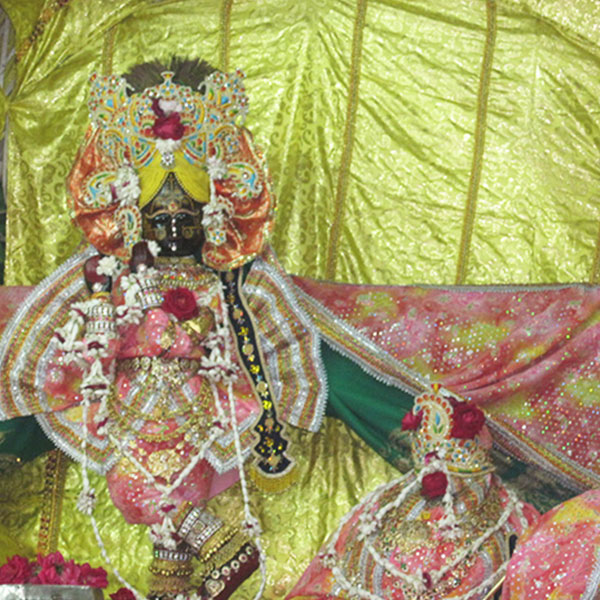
[(450, 427), (205, 117)]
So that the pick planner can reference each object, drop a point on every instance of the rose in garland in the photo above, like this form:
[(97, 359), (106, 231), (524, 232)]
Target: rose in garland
[(181, 303), (434, 485), (467, 421), (411, 422)]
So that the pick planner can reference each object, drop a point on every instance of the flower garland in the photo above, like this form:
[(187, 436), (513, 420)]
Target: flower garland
[(433, 481), (98, 320), (219, 209)]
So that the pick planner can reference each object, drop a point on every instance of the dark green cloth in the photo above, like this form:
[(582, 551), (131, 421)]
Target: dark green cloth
[(371, 408), (22, 438)]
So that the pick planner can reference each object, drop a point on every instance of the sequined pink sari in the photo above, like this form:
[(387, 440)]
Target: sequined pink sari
[(162, 426), (559, 558)]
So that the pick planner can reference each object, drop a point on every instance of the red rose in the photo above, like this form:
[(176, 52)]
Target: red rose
[(51, 560), (17, 570), (91, 577), (434, 485), (70, 573), (181, 303), (467, 421), (123, 594), (410, 421), (48, 575), (169, 128)]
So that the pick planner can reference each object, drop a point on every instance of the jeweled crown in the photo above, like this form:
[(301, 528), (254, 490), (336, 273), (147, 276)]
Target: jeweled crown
[(446, 426), (138, 138)]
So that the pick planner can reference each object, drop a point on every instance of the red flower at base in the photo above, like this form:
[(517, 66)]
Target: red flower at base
[(411, 422), (95, 578), (52, 570), (467, 421), (181, 303), (17, 570), (123, 594), (434, 485)]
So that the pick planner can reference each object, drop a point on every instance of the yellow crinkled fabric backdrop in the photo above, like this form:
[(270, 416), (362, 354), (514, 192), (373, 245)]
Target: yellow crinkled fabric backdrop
[(410, 141), (336, 471)]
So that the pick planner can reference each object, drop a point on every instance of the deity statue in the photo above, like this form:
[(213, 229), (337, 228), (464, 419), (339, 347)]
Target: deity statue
[(155, 375), (444, 530), (169, 353)]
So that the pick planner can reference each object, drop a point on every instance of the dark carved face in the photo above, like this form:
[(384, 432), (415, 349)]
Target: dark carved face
[(173, 220)]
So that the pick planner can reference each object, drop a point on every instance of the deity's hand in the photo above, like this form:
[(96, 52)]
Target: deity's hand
[(140, 255), (95, 281)]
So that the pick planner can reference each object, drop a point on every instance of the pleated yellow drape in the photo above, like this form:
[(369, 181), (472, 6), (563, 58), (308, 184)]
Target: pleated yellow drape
[(410, 141)]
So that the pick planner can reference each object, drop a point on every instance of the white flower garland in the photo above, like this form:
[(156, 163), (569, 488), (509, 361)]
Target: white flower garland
[(369, 523), (110, 266), (95, 386), (127, 186), (219, 209)]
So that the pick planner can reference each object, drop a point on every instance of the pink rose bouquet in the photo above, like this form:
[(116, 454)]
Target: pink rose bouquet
[(52, 569)]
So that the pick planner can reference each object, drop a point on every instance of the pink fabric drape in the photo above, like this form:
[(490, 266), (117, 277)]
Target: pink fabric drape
[(528, 356)]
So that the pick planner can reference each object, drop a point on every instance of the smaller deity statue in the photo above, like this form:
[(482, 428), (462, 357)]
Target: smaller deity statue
[(444, 530)]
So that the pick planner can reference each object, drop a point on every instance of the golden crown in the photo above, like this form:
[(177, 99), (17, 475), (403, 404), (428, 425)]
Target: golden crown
[(137, 139), (447, 427)]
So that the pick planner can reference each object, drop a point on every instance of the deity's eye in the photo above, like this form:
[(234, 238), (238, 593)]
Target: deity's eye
[(184, 220), (159, 225)]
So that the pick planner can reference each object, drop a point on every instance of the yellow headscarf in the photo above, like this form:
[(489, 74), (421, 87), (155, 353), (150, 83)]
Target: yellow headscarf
[(193, 179)]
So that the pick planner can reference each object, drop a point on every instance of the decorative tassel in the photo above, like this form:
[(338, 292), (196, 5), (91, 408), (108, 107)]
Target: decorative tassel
[(273, 484)]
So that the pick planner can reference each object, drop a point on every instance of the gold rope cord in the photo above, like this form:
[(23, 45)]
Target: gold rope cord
[(45, 17), (346, 160), (52, 499), (225, 34), (479, 143), (108, 50)]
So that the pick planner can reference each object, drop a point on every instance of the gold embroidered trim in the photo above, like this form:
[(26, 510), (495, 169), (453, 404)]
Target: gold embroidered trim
[(45, 17), (275, 483), (220, 549), (479, 143), (108, 49), (52, 498), (346, 160), (225, 34)]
